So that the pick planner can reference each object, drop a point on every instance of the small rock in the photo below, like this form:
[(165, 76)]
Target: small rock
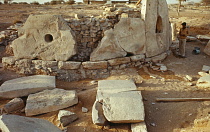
[(153, 124), (97, 114), (1, 65), (78, 16), (139, 127), (189, 78), (84, 110), (14, 105), (163, 68), (203, 74), (93, 82), (206, 68), (204, 82), (66, 117)]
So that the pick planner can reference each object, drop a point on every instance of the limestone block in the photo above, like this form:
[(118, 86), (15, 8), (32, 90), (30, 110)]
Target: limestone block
[(15, 123), (37, 64), (16, 104), (95, 65), (66, 117), (139, 127), (26, 85), (159, 58), (108, 48), (9, 60), (50, 100), (207, 49), (119, 61), (137, 58), (69, 65), (97, 114), (45, 37), (204, 82), (117, 107)]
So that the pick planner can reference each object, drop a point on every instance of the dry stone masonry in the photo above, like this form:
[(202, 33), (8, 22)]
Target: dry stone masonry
[(91, 47)]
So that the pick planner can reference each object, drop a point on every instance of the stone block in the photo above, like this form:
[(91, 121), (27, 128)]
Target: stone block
[(95, 65), (117, 107), (16, 104), (139, 127), (137, 58), (204, 82), (97, 114), (9, 60), (15, 123), (119, 61), (66, 117), (50, 100), (26, 85), (49, 39), (69, 65), (49, 64), (159, 58)]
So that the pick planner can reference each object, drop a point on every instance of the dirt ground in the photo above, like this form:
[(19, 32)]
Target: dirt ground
[(160, 117)]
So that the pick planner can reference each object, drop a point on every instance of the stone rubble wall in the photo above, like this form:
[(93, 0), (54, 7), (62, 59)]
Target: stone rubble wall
[(74, 71)]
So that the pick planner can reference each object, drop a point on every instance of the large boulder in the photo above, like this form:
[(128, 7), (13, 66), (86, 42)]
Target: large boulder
[(158, 28), (127, 37), (26, 85), (50, 100), (14, 123), (207, 48), (45, 37)]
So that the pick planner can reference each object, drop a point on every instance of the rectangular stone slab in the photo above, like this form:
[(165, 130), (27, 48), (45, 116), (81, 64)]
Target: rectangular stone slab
[(124, 107), (26, 85)]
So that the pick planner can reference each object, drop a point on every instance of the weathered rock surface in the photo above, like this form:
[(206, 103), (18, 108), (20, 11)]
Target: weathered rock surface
[(69, 65), (128, 36), (206, 68), (14, 123), (207, 49), (66, 117), (8, 60), (158, 28), (46, 37), (50, 100), (95, 65), (204, 82), (124, 107), (139, 127), (118, 61), (97, 114), (26, 85), (16, 104)]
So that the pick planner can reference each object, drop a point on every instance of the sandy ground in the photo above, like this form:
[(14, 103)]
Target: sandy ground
[(160, 117)]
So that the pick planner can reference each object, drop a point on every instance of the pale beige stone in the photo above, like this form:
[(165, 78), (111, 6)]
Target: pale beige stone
[(95, 65), (159, 58), (119, 61), (137, 58), (97, 114), (9, 60), (69, 65), (66, 117), (139, 127), (204, 82)]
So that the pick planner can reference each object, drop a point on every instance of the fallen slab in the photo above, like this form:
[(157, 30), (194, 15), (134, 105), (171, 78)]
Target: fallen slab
[(50, 100), (14, 123), (26, 85), (124, 107)]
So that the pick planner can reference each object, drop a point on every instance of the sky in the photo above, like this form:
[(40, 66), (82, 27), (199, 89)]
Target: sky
[(42, 1)]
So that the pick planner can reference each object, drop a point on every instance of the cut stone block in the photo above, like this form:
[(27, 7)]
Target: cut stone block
[(107, 87), (26, 85), (137, 58), (69, 65), (46, 37), (66, 117), (95, 65), (15, 123), (204, 82), (119, 61), (97, 114), (50, 100), (159, 58), (16, 104), (139, 127), (124, 107)]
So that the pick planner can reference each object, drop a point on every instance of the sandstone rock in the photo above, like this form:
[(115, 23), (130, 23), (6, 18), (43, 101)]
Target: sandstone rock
[(9, 60), (137, 58), (119, 61), (16, 104), (139, 127), (97, 114), (49, 39), (69, 65), (50, 100), (204, 82), (26, 85), (66, 117), (158, 30), (117, 107), (15, 123), (206, 68), (108, 48), (95, 65), (207, 49)]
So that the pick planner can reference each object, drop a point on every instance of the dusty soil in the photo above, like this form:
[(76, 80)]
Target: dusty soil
[(160, 117)]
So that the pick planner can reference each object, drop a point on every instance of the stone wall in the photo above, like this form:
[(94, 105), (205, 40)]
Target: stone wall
[(74, 71)]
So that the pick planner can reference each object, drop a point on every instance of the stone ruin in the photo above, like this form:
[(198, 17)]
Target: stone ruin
[(91, 47)]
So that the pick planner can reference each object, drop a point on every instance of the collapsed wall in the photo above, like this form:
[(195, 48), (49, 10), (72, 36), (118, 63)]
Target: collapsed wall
[(91, 47)]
